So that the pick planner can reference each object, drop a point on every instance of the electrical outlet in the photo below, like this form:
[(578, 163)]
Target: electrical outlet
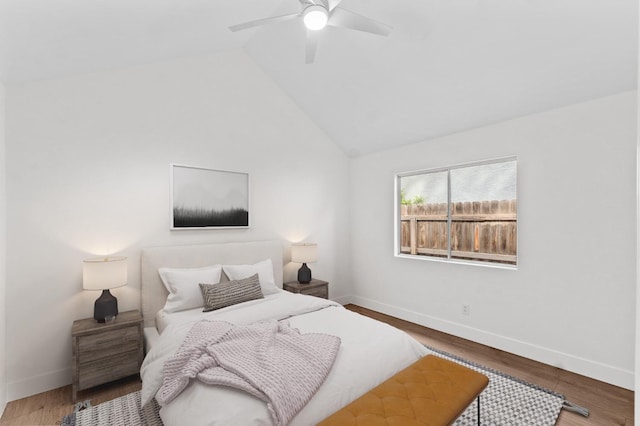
[(466, 310)]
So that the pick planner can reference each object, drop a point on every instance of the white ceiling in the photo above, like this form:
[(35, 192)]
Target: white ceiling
[(448, 66)]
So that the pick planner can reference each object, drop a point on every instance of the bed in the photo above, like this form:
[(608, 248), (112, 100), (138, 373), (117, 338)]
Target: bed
[(369, 352)]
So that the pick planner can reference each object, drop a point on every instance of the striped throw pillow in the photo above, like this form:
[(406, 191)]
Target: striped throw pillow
[(220, 295)]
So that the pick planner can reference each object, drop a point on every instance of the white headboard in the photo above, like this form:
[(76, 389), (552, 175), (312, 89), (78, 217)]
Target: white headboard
[(154, 294)]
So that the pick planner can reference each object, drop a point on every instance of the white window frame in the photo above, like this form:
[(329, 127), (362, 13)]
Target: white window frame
[(398, 223)]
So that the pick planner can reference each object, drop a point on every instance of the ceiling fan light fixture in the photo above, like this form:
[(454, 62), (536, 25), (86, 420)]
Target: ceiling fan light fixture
[(315, 17)]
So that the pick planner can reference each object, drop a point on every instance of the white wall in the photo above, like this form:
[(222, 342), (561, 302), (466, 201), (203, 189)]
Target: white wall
[(637, 337), (88, 174), (3, 259), (571, 302)]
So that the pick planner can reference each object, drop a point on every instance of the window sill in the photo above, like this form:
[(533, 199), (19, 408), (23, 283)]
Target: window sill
[(458, 261)]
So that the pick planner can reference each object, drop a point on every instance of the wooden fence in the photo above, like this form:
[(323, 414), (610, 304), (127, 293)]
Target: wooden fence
[(480, 230)]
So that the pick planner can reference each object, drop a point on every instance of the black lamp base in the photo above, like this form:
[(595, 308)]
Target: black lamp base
[(106, 306), (304, 274)]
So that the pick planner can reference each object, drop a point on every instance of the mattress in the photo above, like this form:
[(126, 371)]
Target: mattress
[(370, 352), (151, 336)]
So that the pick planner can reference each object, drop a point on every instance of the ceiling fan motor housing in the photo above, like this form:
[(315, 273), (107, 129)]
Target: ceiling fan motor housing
[(315, 17)]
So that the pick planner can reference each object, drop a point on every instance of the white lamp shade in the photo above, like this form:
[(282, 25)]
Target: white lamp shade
[(304, 253), (104, 273)]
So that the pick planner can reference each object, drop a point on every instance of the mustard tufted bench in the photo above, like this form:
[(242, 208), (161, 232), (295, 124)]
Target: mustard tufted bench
[(432, 391)]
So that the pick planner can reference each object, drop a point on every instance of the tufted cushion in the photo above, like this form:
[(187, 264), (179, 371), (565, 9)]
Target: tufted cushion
[(432, 391)]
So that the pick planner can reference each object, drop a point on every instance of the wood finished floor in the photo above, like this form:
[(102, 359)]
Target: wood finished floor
[(609, 405), (48, 408)]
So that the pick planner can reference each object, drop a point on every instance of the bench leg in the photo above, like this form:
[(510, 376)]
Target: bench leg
[(478, 410)]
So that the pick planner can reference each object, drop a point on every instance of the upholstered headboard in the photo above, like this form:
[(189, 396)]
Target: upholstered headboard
[(154, 294)]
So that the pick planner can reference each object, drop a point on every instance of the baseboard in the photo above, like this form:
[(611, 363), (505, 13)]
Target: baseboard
[(343, 300), (38, 384), (596, 370)]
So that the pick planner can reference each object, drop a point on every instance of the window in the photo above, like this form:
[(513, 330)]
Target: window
[(465, 213)]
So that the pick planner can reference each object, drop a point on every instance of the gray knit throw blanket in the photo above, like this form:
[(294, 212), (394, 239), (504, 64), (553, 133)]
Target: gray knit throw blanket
[(268, 359)]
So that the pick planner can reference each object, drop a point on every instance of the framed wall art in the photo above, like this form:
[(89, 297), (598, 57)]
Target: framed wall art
[(208, 199)]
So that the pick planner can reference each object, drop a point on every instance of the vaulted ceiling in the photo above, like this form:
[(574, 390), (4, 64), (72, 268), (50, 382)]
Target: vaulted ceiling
[(448, 65)]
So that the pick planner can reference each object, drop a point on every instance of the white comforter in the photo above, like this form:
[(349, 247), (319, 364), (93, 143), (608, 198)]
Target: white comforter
[(370, 353)]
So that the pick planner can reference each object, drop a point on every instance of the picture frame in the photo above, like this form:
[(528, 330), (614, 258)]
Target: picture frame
[(203, 198)]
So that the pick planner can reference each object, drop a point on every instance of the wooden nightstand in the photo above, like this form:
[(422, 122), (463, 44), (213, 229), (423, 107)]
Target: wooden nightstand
[(103, 352), (316, 288)]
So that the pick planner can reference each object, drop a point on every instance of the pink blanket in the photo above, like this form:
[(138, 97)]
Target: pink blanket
[(269, 360)]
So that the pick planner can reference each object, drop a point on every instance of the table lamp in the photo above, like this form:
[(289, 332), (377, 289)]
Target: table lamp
[(103, 274), (304, 253)]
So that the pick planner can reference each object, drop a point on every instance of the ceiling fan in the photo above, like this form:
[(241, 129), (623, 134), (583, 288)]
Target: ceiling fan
[(316, 15)]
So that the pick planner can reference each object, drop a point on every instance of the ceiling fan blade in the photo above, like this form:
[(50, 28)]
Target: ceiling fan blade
[(265, 21), (324, 3), (345, 18), (311, 45), (332, 4)]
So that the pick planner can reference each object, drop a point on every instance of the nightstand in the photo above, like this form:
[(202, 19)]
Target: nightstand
[(104, 352), (316, 288)]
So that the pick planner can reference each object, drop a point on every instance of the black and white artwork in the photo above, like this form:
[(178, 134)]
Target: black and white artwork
[(206, 198)]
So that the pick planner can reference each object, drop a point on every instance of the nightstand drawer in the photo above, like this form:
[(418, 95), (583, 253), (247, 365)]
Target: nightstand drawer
[(317, 288), (108, 344), (318, 292), (105, 370)]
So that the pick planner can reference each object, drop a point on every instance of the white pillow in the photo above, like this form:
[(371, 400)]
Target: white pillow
[(184, 286), (264, 269)]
